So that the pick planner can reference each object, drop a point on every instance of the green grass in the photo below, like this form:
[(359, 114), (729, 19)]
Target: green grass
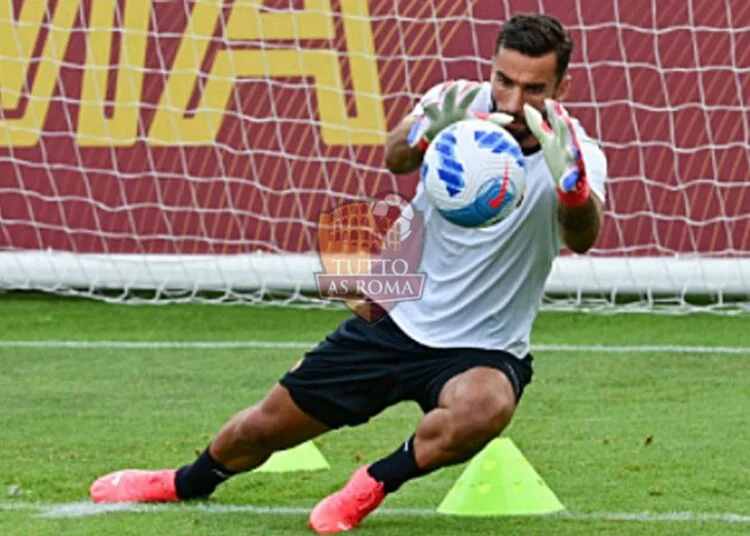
[(629, 432)]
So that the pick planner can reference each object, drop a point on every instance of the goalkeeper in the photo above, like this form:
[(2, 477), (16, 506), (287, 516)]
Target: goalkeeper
[(462, 351)]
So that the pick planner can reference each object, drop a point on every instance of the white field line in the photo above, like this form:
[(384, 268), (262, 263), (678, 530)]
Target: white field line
[(259, 344), (85, 509)]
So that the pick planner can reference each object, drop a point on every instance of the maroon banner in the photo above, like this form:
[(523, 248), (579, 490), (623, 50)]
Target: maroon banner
[(176, 127)]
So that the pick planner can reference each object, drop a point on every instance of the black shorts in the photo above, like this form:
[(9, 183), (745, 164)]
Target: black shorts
[(361, 369)]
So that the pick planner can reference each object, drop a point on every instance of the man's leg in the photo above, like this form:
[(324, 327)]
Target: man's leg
[(246, 441), (474, 407), (344, 381)]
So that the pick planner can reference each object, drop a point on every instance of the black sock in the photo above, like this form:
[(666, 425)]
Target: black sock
[(397, 468), (200, 478)]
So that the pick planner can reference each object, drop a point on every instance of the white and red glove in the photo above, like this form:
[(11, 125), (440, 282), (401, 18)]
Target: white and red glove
[(438, 116), (562, 152)]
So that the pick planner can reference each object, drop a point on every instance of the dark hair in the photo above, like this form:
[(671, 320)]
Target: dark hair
[(534, 35)]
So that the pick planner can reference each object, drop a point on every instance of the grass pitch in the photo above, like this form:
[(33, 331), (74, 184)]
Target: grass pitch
[(616, 435)]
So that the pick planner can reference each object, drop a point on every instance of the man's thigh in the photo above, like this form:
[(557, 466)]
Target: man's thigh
[(360, 369), (353, 375), (462, 369)]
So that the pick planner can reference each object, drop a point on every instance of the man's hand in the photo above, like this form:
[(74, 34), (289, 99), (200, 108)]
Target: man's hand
[(436, 117), (579, 213), (562, 152)]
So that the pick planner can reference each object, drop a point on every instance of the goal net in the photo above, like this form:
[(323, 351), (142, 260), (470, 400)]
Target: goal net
[(161, 149)]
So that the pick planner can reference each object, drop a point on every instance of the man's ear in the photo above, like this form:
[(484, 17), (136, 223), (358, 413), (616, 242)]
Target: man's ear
[(563, 87)]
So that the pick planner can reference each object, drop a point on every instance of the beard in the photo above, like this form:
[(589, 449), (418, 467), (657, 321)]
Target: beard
[(518, 128), (521, 134)]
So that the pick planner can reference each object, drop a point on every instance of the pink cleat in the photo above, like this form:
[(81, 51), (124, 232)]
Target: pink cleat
[(345, 509), (134, 485)]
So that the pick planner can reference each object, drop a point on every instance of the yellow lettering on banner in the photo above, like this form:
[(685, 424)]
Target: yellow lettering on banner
[(248, 23), (170, 126), (94, 128), (17, 45)]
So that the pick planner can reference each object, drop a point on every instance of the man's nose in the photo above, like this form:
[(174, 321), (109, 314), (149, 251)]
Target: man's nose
[(514, 103)]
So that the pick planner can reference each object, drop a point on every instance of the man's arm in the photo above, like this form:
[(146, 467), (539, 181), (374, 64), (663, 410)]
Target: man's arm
[(442, 106), (400, 157), (579, 171), (580, 226)]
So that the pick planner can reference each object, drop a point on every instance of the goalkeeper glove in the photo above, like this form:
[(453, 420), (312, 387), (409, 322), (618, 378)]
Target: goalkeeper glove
[(437, 118), (562, 152)]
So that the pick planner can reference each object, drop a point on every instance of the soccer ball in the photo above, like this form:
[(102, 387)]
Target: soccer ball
[(474, 173)]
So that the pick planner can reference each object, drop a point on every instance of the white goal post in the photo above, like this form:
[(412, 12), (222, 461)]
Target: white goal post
[(295, 273), (190, 146)]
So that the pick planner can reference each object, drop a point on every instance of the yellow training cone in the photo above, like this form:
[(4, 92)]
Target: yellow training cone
[(499, 481), (303, 457)]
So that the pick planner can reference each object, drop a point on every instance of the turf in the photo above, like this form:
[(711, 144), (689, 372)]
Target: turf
[(608, 432)]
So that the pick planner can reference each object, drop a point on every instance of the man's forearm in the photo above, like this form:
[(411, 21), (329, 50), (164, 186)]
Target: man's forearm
[(580, 226), (399, 156)]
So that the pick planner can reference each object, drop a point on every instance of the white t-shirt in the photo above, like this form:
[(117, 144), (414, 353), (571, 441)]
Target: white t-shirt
[(483, 287)]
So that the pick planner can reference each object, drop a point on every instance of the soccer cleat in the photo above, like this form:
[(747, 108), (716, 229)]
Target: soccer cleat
[(345, 509), (134, 485)]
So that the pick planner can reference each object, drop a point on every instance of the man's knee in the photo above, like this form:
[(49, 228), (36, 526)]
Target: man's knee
[(477, 420), (254, 428), (276, 423), (480, 410)]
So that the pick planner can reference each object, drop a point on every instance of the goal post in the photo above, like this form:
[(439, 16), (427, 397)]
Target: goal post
[(190, 146)]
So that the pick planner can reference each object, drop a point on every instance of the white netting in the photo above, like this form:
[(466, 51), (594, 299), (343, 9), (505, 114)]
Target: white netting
[(186, 146)]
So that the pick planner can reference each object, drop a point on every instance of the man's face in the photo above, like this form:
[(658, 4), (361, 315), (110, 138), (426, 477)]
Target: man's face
[(518, 79)]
